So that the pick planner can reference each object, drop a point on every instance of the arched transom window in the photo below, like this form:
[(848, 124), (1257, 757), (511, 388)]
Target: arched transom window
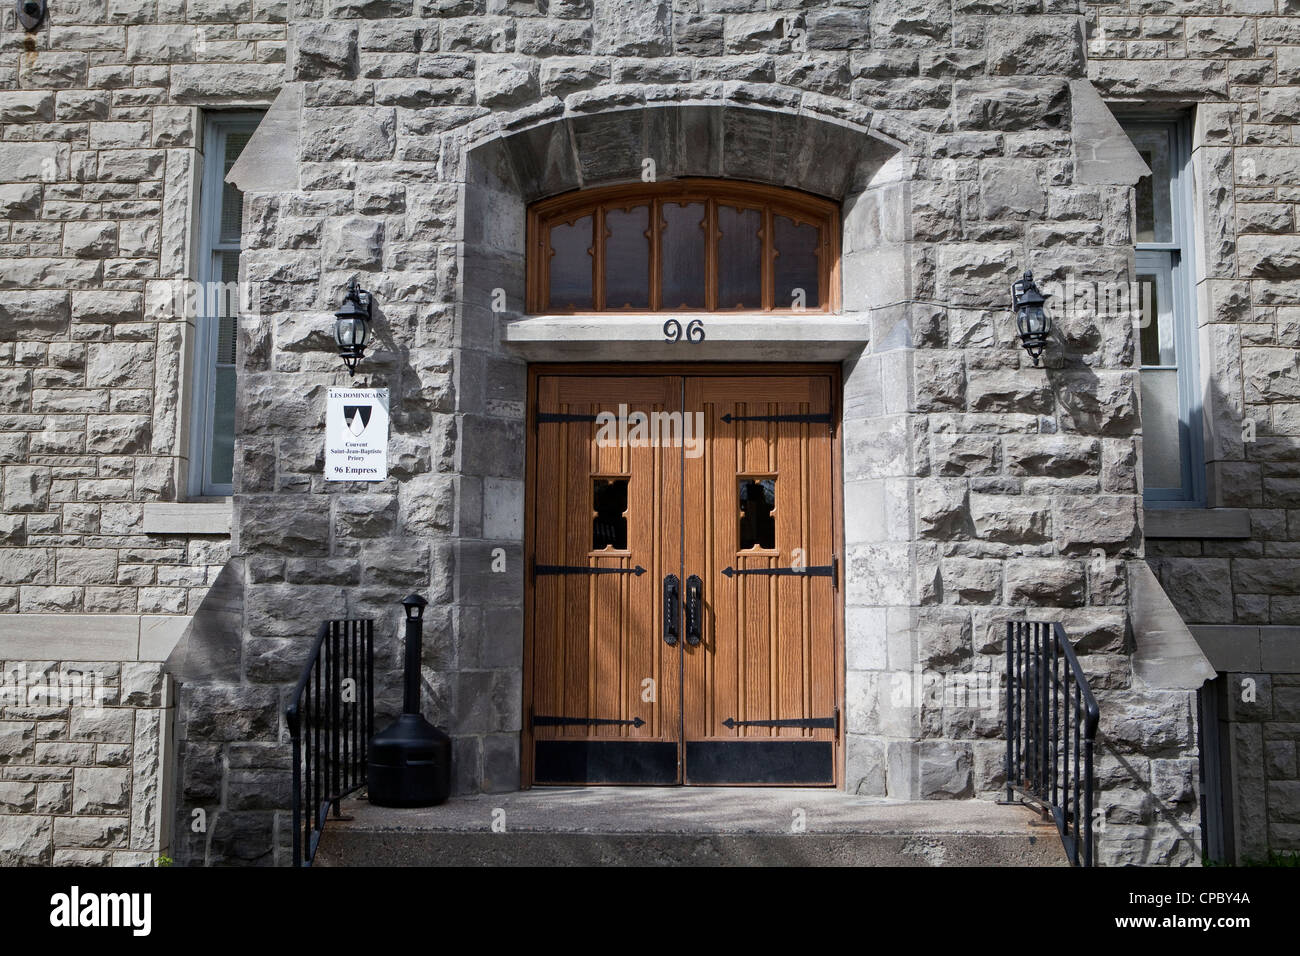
[(683, 246)]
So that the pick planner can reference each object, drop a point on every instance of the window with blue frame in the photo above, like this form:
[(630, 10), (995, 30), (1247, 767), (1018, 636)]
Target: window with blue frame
[(220, 220), (1173, 463)]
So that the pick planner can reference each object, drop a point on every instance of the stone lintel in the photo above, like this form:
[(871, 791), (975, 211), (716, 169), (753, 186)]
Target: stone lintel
[(1279, 650), (1250, 649), (1231, 648), (811, 338)]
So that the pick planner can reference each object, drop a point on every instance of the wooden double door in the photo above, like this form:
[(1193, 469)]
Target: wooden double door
[(683, 582)]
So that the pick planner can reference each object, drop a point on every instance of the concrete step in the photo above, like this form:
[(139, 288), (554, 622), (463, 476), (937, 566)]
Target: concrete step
[(723, 826)]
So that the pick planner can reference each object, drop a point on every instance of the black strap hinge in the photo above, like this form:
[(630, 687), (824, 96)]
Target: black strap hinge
[(820, 418), (815, 571), (809, 723), (545, 721), (544, 417), (543, 569)]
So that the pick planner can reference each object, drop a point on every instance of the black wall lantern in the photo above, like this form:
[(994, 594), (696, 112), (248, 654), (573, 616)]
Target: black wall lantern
[(31, 13), (352, 325), (1031, 318)]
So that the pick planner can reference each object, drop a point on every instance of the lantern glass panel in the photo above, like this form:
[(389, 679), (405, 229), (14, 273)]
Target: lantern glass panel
[(343, 332)]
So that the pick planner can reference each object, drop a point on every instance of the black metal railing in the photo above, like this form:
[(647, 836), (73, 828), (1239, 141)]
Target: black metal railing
[(1051, 726), (331, 720)]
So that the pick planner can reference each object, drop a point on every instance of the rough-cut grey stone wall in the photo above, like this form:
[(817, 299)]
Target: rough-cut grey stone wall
[(1260, 714), (97, 162), (977, 487), (1239, 60), (994, 482), (82, 777)]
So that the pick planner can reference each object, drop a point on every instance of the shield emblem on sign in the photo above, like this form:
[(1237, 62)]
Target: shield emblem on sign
[(356, 417)]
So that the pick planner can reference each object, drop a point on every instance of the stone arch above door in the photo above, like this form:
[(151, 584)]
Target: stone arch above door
[(754, 143), (860, 168)]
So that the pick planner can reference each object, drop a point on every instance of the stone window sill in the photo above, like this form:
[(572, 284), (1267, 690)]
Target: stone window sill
[(1197, 522), (187, 517)]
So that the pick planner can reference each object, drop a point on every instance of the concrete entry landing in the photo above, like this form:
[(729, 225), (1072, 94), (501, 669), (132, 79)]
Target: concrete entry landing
[(638, 826)]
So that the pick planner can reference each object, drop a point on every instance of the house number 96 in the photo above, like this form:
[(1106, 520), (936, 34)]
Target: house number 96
[(694, 331)]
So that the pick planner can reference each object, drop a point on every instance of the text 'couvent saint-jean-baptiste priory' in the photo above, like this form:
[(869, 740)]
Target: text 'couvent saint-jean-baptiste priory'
[(687, 386)]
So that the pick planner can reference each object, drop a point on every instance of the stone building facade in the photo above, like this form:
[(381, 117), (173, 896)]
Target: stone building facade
[(965, 141)]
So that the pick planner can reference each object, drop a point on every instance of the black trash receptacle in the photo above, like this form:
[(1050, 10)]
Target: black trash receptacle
[(409, 762)]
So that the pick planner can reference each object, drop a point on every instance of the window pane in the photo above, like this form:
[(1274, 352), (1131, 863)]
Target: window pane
[(1148, 321), (221, 220), (719, 249), (571, 265), (224, 309), (232, 200), (1162, 457), (739, 259), (757, 502), (227, 309), (796, 264), (223, 426), (1154, 199), (1167, 319), (1156, 318), (627, 258), (609, 514), (682, 237)]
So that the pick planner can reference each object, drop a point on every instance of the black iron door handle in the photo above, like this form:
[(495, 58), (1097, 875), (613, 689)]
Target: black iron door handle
[(672, 610), (694, 610)]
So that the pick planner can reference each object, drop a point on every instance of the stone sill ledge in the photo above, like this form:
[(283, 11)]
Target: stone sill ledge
[(187, 517), (90, 637), (806, 336), (1197, 522)]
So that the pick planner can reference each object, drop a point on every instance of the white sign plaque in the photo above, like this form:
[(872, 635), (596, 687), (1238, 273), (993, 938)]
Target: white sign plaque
[(356, 434)]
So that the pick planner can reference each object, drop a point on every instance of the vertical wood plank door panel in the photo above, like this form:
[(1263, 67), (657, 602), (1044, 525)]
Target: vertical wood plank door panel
[(605, 706), (761, 692), (749, 512)]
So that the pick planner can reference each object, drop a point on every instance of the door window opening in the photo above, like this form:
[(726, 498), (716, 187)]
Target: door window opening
[(757, 521), (609, 514)]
